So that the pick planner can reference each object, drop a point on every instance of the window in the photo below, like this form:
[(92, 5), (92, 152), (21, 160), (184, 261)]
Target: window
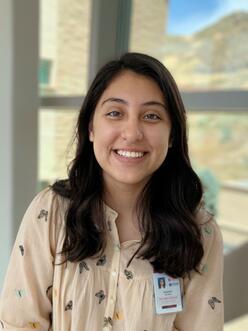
[(64, 40), (64, 57), (56, 148), (203, 44), (219, 151), (45, 72)]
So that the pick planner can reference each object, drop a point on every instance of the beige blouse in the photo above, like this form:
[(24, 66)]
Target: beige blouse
[(100, 294)]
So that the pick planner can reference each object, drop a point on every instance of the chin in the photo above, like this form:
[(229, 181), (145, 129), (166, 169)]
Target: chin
[(133, 181)]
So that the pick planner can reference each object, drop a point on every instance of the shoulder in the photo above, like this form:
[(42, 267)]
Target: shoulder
[(206, 221), (210, 231), (44, 219), (46, 207), (48, 199)]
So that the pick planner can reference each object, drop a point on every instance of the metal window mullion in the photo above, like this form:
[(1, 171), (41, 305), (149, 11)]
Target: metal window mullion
[(110, 24), (61, 102), (225, 101)]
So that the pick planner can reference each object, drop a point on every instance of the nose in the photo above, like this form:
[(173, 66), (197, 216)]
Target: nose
[(132, 131)]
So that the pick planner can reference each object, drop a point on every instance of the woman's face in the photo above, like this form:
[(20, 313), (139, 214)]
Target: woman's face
[(161, 282), (130, 130)]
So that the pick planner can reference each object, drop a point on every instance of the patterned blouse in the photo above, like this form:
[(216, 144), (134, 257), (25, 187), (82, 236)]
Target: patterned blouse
[(101, 293)]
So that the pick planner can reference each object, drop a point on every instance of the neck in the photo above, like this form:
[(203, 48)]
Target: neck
[(124, 203), (122, 198)]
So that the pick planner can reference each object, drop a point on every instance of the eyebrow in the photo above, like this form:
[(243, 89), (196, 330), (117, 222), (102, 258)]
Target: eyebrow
[(122, 101)]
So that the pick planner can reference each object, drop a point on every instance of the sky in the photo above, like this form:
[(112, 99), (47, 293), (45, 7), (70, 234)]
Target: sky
[(188, 16)]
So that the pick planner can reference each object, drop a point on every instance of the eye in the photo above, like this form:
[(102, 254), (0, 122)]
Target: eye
[(114, 113), (152, 116)]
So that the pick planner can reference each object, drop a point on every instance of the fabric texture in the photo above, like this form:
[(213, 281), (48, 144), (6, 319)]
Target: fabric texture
[(100, 293)]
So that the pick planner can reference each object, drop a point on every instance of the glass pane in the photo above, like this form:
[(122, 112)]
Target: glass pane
[(203, 43), (219, 150), (238, 324), (64, 46), (45, 72), (56, 148)]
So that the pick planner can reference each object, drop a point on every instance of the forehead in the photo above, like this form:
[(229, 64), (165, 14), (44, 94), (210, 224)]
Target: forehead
[(129, 84)]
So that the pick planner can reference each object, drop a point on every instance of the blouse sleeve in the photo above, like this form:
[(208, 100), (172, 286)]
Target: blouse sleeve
[(26, 299), (203, 293)]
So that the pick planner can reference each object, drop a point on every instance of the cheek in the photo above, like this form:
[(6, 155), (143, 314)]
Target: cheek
[(104, 137), (160, 139), (160, 143)]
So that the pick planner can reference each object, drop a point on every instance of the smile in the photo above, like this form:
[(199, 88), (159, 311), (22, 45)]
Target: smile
[(129, 154)]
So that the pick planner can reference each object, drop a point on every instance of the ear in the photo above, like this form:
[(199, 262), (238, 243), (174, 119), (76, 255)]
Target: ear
[(170, 141), (90, 131)]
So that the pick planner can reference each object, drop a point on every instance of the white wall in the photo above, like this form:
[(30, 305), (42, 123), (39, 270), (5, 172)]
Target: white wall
[(19, 21)]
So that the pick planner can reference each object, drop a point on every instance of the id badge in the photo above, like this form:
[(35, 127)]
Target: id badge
[(167, 294)]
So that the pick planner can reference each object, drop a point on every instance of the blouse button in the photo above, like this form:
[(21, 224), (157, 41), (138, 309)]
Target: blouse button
[(114, 273), (117, 247)]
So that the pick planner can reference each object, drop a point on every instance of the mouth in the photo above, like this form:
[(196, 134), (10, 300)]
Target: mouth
[(129, 154)]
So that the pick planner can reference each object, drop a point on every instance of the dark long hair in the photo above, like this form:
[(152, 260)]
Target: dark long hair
[(167, 206)]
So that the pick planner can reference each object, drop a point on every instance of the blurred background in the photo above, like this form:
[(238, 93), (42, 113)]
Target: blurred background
[(51, 50)]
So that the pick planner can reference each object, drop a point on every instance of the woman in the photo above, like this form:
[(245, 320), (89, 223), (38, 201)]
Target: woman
[(90, 248), (161, 283)]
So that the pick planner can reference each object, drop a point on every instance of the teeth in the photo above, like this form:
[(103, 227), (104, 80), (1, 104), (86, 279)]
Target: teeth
[(130, 154)]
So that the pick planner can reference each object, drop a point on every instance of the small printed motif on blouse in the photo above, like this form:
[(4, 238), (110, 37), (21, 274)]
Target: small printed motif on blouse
[(128, 274), (34, 325), (21, 249), (43, 214), (212, 302), (107, 321), (208, 230), (20, 293), (69, 305), (100, 295), (102, 260), (83, 266)]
